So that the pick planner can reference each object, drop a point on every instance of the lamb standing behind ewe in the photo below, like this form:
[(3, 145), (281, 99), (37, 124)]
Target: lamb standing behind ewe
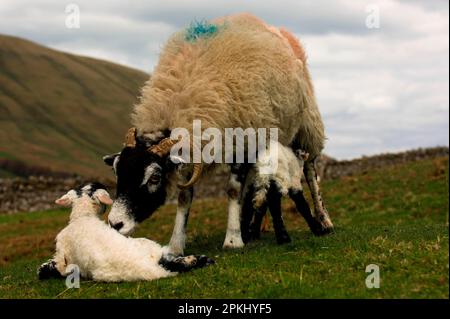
[(102, 253), (274, 175)]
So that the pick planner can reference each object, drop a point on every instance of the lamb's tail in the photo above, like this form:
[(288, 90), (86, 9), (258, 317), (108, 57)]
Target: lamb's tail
[(184, 263)]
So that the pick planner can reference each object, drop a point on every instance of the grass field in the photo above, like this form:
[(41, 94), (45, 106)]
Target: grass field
[(394, 217)]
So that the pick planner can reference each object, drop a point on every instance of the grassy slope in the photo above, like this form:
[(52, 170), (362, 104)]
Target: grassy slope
[(395, 217), (60, 110)]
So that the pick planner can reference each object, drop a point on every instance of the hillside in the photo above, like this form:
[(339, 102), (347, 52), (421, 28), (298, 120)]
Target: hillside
[(61, 111)]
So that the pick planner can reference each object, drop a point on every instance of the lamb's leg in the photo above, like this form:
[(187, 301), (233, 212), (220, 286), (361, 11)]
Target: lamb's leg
[(247, 214), (178, 239), (320, 212), (183, 264), (274, 199), (233, 238), (55, 267), (49, 270), (303, 208), (255, 227)]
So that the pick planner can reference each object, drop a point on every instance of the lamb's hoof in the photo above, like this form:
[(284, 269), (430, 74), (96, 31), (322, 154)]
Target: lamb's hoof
[(48, 270), (255, 232), (255, 235), (246, 238), (283, 239), (203, 261)]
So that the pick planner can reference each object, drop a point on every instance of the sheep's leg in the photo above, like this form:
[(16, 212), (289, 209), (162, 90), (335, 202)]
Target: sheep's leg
[(233, 238), (184, 264), (274, 198), (303, 208), (178, 239), (320, 212)]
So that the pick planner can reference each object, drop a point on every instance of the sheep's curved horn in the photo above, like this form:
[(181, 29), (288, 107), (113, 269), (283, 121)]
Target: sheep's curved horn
[(130, 138), (196, 173), (163, 147)]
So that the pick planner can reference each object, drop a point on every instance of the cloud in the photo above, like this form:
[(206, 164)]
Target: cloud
[(381, 89)]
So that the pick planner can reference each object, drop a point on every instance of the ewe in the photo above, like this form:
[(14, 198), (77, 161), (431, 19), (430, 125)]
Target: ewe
[(103, 254), (232, 72)]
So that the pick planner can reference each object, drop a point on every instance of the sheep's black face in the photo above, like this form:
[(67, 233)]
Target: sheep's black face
[(141, 186)]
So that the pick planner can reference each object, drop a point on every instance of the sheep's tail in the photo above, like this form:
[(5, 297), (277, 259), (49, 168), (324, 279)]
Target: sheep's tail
[(184, 263), (310, 136)]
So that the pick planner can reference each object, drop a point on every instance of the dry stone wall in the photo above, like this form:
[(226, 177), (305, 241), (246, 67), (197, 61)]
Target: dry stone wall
[(39, 193)]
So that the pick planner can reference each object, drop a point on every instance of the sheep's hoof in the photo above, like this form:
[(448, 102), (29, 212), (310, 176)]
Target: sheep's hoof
[(169, 250), (233, 242), (323, 227)]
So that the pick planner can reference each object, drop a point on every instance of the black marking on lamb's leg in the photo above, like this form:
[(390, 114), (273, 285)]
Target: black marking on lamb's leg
[(274, 198), (177, 241), (48, 270), (185, 200), (255, 227), (303, 208), (184, 264), (247, 214), (320, 212)]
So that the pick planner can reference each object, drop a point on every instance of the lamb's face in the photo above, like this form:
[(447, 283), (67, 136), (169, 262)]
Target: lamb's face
[(94, 193), (302, 156), (141, 187)]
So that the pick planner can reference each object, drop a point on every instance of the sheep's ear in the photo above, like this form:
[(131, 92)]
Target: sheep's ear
[(103, 197), (179, 162), (109, 159), (65, 200)]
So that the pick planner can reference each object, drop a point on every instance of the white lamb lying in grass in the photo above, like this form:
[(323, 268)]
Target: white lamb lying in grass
[(102, 253)]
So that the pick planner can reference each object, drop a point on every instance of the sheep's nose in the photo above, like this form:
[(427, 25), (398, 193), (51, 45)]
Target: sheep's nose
[(116, 226)]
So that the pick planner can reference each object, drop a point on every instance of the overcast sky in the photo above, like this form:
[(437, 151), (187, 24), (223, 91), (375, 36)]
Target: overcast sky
[(379, 89)]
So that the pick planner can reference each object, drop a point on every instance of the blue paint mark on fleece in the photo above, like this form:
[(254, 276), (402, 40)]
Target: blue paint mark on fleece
[(200, 29)]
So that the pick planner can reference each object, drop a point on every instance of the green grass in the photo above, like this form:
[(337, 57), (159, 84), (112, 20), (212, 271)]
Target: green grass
[(395, 217)]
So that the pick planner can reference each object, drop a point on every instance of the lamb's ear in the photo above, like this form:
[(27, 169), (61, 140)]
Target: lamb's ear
[(109, 159), (65, 200), (103, 197)]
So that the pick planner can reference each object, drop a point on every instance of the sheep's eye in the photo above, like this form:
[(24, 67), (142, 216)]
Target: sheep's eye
[(154, 179)]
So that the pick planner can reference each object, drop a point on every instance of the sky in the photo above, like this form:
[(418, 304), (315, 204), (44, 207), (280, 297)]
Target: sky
[(380, 67)]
